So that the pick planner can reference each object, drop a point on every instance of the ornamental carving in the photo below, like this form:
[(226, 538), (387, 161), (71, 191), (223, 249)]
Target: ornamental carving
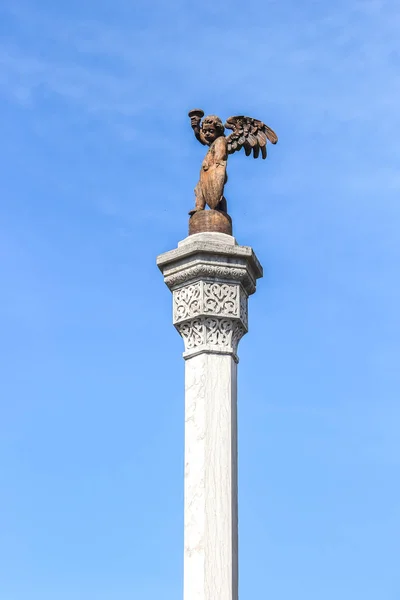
[(211, 334), (192, 333), (221, 298), (243, 309), (210, 299), (211, 316), (187, 301), (218, 332), (213, 272)]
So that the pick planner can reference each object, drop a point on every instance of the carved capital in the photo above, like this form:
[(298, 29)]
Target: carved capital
[(211, 334), (211, 278), (211, 315)]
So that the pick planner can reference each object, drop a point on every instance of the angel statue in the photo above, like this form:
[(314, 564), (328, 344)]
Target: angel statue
[(247, 133)]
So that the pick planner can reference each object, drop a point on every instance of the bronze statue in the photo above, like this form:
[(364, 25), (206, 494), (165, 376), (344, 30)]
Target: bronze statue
[(247, 133)]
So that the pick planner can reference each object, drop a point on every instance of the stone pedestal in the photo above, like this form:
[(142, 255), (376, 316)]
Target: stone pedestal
[(211, 278)]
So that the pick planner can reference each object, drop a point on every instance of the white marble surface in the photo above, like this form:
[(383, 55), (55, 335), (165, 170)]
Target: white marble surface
[(212, 256), (211, 278), (212, 236), (211, 527)]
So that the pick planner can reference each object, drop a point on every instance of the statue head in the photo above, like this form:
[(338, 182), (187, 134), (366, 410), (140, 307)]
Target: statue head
[(212, 128)]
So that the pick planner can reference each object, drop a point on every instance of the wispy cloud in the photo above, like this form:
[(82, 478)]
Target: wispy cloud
[(334, 77), (343, 63)]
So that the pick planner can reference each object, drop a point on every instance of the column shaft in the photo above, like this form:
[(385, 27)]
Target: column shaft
[(211, 522)]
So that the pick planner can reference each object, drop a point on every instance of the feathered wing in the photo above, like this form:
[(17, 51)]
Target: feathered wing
[(250, 134)]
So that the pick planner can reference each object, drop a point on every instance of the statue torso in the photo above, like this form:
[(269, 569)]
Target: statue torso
[(216, 153)]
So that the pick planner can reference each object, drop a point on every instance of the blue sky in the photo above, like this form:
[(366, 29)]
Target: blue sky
[(98, 167)]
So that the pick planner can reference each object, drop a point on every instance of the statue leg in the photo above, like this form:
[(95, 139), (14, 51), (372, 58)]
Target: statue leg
[(222, 205), (200, 203)]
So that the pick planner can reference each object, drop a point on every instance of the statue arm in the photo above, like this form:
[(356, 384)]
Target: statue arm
[(195, 119), (195, 123)]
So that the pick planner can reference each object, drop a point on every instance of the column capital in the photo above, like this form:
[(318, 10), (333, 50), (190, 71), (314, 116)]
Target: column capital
[(211, 277)]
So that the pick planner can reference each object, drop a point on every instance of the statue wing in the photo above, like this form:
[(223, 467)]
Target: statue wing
[(250, 134)]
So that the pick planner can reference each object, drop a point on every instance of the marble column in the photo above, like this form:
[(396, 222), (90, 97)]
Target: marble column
[(211, 277)]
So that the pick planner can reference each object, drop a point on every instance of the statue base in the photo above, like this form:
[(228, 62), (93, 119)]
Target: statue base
[(210, 220)]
